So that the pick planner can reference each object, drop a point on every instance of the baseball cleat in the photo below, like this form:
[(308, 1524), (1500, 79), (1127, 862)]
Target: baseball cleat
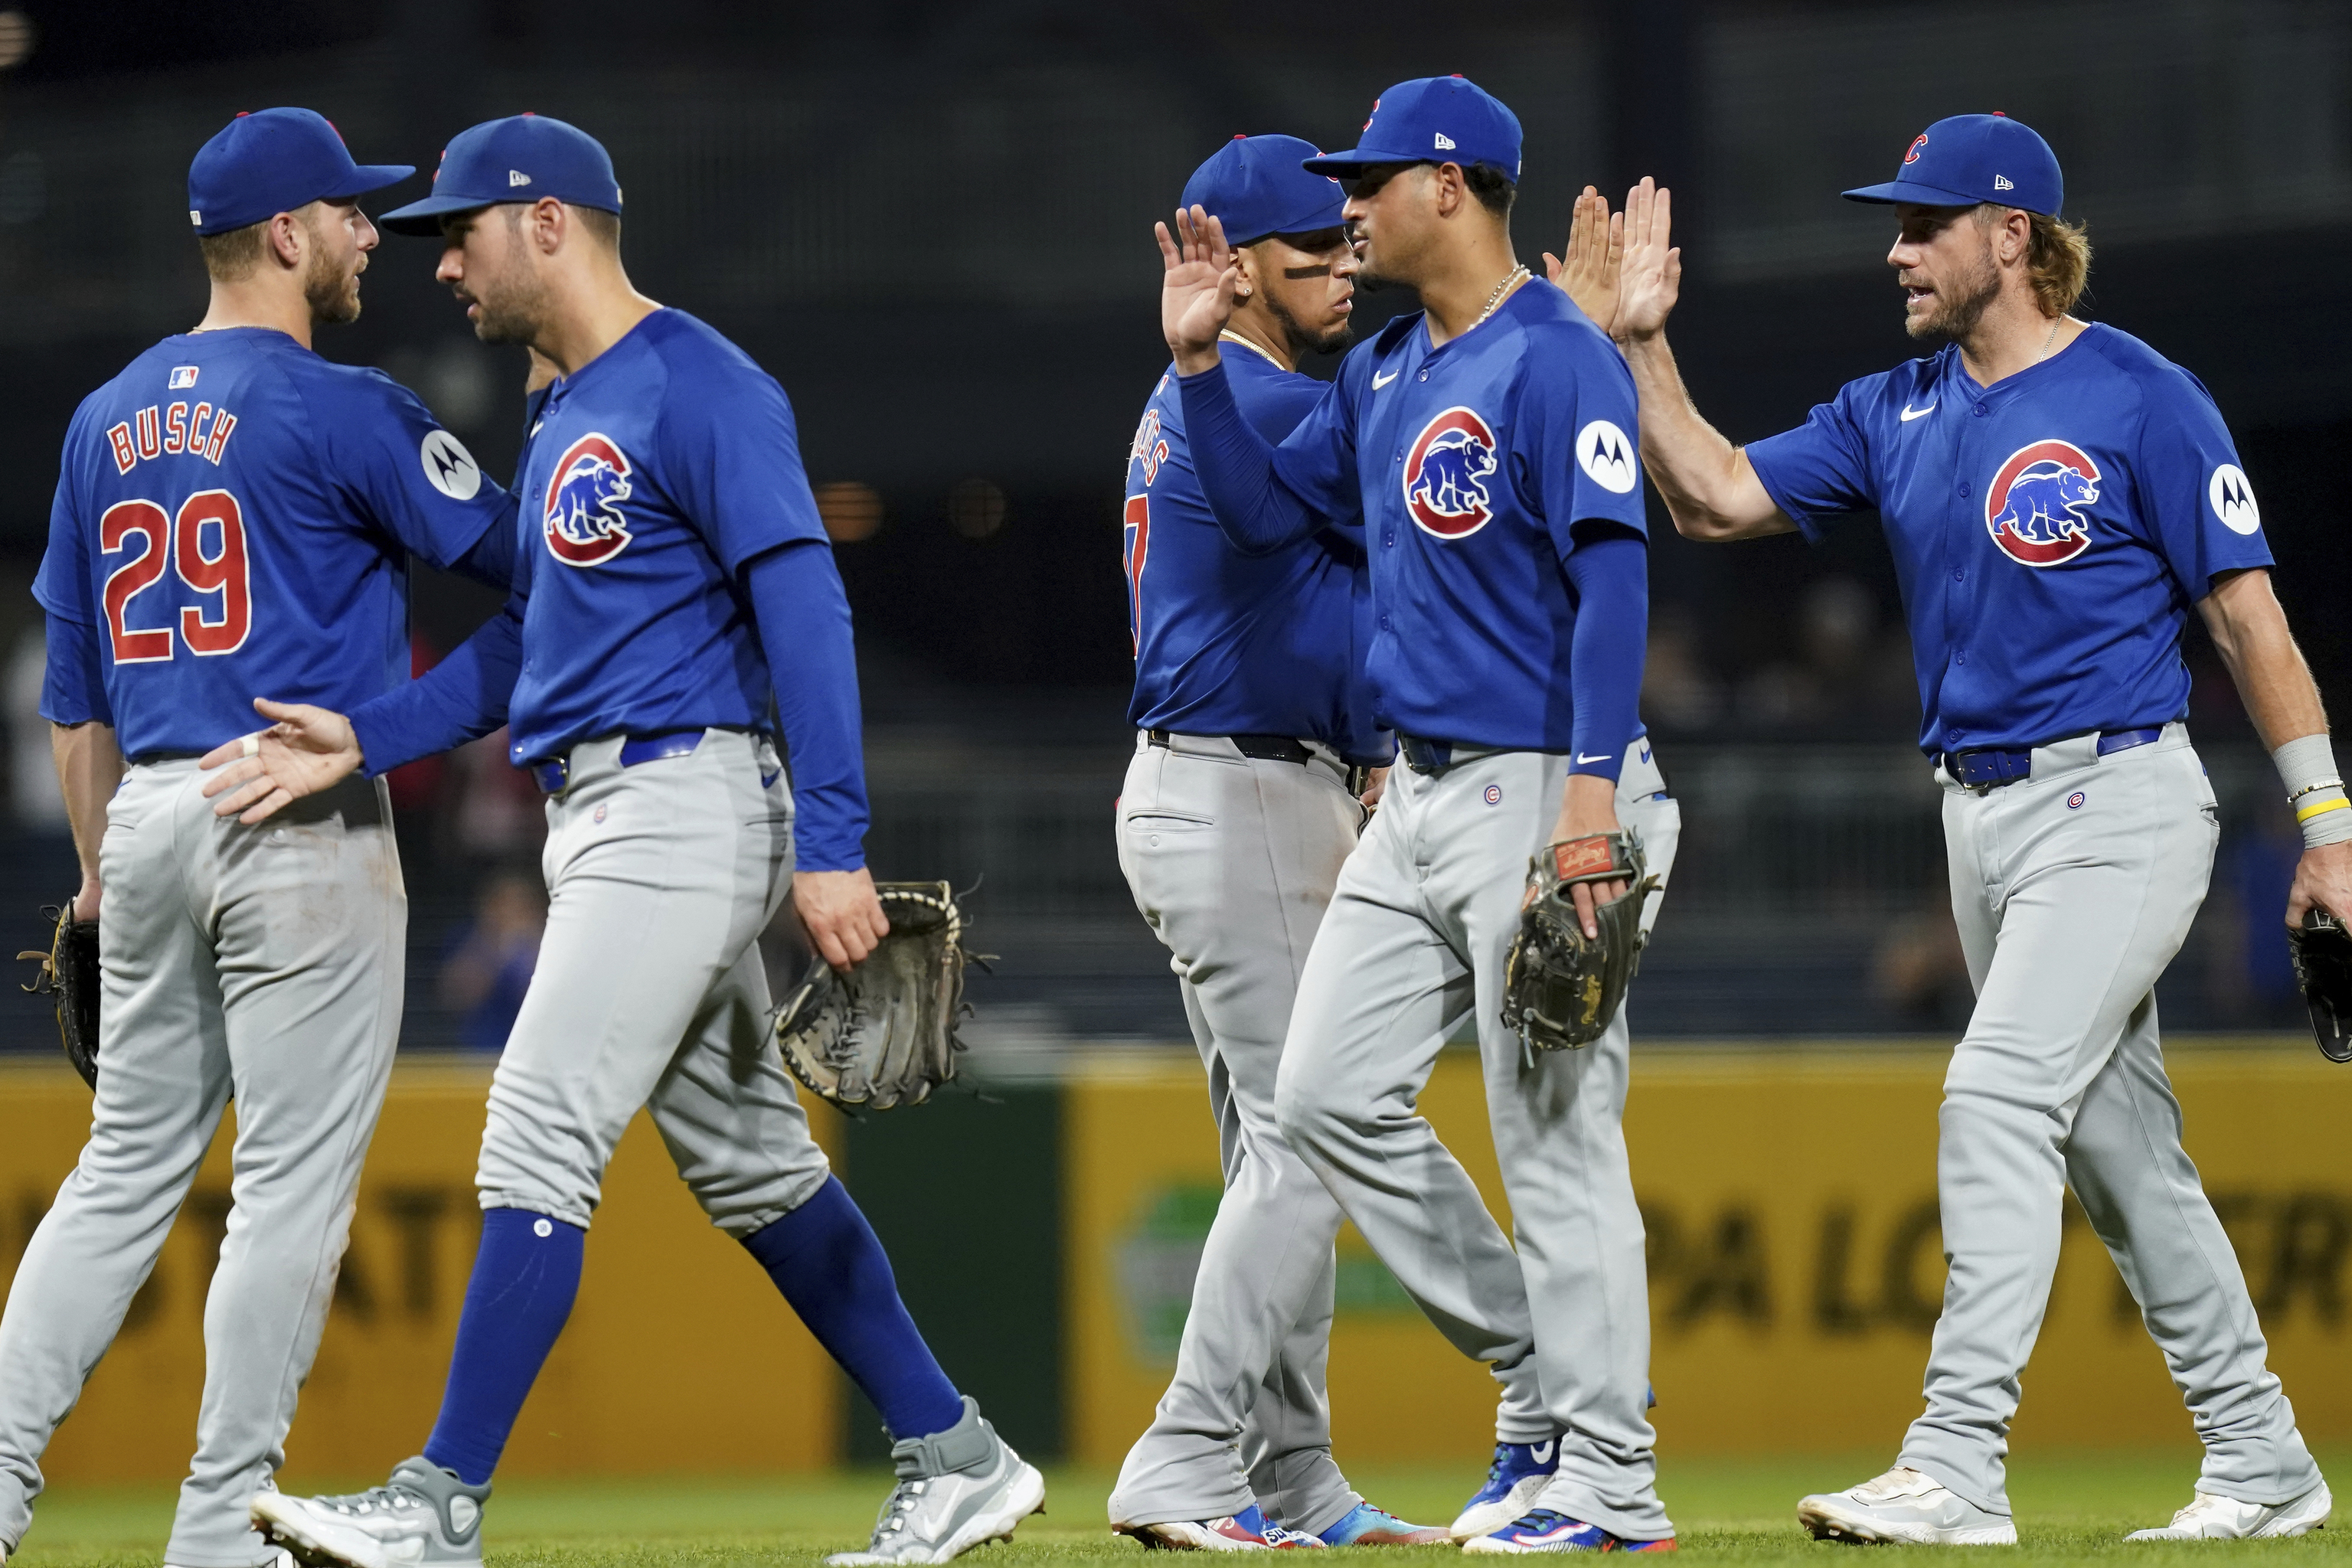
[(1514, 1481), (423, 1517), (1248, 1530), (1906, 1507), (1546, 1529), (1364, 1525), (956, 1489), (2212, 1518)]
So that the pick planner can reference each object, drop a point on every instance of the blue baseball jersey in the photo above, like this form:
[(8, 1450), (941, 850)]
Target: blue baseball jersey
[(234, 518), (653, 475), (1229, 644), (1469, 466), (2050, 531)]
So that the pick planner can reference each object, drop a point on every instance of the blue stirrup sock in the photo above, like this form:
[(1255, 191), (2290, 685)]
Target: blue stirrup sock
[(525, 1276), (831, 1268)]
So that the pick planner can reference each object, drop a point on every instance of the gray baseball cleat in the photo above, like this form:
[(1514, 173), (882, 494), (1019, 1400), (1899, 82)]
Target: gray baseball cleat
[(2212, 1518), (423, 1517), (956, 1489), (1907, 1506)]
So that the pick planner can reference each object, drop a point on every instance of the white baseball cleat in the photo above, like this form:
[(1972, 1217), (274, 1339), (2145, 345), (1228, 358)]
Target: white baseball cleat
[(956, 1489), (423, 1517), (1906, 1507), (2212, 1518)]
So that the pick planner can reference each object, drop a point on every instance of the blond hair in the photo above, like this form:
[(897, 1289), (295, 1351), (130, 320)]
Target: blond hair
[(231, 257), (2057, 256)]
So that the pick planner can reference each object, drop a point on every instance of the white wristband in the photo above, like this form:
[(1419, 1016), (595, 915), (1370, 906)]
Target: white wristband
[(2315, 790)]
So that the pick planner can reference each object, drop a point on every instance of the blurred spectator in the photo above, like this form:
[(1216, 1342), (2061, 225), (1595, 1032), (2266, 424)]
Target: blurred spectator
[(2251, 973), (498, 810), (489, 966), (1919, 972), (32, 776), (1677, 693), (417, 785)]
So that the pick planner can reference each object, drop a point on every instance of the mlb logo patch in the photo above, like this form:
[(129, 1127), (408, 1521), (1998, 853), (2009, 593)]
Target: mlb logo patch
[(182, 375)]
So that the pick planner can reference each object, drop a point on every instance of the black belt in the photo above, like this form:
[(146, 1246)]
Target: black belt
[(1425, 756), (1990, 768), (1264, 748), (143, 758)]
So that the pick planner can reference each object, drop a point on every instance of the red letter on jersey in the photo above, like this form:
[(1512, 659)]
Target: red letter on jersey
[(222, 425), (133, 576), (1138, 544), (119, 437), (176, 427), (225, 573)]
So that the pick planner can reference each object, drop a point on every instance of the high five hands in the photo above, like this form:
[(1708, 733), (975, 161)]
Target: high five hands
[(1196, 297), (1621, 269)]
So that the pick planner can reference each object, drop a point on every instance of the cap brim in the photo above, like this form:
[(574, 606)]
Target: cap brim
[(1339, 165), (1314, 222), (366, 177), (425, 218), (1914, 192)]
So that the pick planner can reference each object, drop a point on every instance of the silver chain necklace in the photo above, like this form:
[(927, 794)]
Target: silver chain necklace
[(2050, 338), (1495, 301)]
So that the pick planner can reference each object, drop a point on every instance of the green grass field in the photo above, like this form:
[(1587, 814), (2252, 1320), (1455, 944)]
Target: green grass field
[(2071, 1508)]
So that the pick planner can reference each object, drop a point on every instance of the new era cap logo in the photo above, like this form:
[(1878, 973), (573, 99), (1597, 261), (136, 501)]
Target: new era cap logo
[(2001, 182), (1445, 142), (195, 218), (517, 177)]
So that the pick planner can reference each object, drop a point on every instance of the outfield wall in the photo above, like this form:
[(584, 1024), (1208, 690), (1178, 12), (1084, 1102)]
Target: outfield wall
[(1045, 1234)]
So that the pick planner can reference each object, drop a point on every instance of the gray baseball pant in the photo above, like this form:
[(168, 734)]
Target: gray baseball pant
[(1232, 861), (262, 961), (2073, 889), (1413, 943), (649, 992)]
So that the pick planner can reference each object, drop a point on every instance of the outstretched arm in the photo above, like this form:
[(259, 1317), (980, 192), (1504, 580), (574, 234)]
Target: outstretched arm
[(2250, 632), (1235, 464), (1708, 486)]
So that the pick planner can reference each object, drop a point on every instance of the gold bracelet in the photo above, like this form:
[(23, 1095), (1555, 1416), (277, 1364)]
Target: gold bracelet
[(2325, 806)]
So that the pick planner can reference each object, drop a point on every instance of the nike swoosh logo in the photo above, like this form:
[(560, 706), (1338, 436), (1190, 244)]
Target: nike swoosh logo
[(1909, 412), (1541, 1452), (1601, 758), (1379, 381)]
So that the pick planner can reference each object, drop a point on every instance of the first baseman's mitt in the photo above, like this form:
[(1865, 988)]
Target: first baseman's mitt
[(68, 972), (1561, 988), (2322, 951), (884, 1035)]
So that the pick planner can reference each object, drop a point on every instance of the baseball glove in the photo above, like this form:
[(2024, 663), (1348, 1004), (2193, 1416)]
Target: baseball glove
[(2322, 951), (884, 1035), (1561, 988), (68, 972)]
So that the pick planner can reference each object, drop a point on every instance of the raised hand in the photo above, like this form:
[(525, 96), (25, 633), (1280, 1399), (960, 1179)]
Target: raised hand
[(1589, 273), (1196, 297), (1650, 278), (307, 749)]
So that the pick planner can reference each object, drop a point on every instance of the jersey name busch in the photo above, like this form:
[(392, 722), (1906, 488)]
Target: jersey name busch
[(157, 431)]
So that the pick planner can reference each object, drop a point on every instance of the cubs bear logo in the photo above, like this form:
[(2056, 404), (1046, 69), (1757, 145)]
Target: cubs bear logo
[(1445, 474), (2033, 507), (582, 519)]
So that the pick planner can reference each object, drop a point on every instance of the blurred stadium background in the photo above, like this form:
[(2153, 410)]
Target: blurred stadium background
[(932, 222)]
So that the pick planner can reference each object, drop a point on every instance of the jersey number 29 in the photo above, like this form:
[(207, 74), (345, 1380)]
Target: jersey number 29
[(169, 543)]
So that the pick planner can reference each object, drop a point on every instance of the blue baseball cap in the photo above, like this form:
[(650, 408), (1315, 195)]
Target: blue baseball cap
[(1973, 158), (274, 161), (1432, 120), (519, 159), (1257, 185)]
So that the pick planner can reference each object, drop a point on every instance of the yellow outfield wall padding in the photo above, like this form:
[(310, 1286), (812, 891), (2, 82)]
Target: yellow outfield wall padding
[(681, 1356), (1795, 1257)]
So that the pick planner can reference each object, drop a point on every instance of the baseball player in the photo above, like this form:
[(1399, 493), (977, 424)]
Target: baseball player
[(1250, 711), (2056, 495), (232, 512), (1485, 444), (674, 579)]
